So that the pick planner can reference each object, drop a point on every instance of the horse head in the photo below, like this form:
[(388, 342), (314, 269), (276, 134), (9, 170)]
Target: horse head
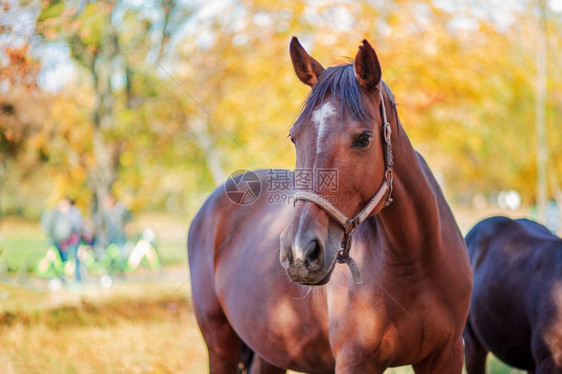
[(340, 149)]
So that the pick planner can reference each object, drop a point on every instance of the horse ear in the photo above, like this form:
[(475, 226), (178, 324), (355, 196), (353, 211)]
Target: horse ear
[(367, 67), (308, 69)]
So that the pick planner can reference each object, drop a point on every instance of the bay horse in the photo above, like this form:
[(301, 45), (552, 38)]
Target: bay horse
[(264, 274), (516, 305)]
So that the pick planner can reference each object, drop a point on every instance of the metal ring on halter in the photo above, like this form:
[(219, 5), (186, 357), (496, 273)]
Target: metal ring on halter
[(387, 132), (389, 176)]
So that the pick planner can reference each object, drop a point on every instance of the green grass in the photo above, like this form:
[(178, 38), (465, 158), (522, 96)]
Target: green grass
[(22, 244), (173, 253), (495, 366), (19, 251)]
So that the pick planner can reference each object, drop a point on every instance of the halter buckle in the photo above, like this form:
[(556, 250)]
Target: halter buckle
[(389, 177), (350, 226), (387, 131)]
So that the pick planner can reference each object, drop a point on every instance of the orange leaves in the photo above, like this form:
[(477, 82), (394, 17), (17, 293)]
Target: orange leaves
[(18, 56), (21, 68)]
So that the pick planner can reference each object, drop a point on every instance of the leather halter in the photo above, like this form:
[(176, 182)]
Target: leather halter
[(350, 224)]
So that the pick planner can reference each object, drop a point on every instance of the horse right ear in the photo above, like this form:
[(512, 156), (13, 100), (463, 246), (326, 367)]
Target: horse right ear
[(308, 69), (367, 67)]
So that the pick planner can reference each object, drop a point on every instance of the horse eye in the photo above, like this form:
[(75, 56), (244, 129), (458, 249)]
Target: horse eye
[(363, 140), (292, 139)]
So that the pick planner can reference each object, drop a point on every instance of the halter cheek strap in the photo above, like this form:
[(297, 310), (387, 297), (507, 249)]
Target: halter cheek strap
[(350, 224)]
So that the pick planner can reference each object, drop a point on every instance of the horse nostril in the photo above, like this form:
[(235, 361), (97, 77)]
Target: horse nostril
[(313, 253)]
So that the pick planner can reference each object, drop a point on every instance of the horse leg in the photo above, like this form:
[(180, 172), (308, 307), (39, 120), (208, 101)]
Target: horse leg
[(223, 344), (547, 362), (260, 366), (447, 360), (546, 345), (547, 366), (353, 369), (475, 353), (349, 362)]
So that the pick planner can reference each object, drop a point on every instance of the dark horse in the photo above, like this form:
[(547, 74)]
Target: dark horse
[(410, 306), (516, 306)]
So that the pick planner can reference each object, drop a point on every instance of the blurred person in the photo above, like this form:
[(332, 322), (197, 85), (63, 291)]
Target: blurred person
[(111, 223), (115, 218), (63, 225), (88, 232)]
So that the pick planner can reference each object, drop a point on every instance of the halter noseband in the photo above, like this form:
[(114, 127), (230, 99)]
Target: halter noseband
[(350, 224)]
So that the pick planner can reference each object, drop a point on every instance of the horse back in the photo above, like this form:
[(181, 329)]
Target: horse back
[(514, 239), (516, 264)]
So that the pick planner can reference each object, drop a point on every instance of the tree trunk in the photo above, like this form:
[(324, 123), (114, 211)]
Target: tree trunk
[(206, 102), (200, 129), (103, 175)]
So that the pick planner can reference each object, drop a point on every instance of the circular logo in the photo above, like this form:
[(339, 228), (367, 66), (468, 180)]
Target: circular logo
[(243, 187)]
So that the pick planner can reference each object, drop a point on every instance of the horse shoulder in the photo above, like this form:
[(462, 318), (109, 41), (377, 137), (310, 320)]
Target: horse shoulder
[(220, 217)]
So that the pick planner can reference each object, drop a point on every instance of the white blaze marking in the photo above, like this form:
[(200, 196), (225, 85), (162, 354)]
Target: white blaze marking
[(298, 248), (298, 251), (320, 118)]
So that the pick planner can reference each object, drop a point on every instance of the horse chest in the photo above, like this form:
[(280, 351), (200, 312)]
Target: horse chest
[(370, 323)]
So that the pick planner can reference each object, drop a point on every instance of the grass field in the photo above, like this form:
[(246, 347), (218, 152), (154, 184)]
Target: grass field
[(133, 327), (129, 328), (142, 324)]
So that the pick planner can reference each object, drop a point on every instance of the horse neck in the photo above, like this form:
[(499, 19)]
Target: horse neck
[(411, 223)]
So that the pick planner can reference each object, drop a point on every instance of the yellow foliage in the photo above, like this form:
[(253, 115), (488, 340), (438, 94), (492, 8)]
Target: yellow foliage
[(224, 89)]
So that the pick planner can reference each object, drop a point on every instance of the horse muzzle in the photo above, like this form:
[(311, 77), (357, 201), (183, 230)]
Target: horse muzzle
[(305, 264)]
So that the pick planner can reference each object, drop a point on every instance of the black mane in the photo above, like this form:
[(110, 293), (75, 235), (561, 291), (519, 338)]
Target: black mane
[(341, 83)]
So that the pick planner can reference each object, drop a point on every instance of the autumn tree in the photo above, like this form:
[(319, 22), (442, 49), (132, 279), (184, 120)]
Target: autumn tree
[(169, 97)]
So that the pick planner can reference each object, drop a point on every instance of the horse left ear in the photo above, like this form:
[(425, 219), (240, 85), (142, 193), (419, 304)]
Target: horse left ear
[(367, 67), (307, 69)]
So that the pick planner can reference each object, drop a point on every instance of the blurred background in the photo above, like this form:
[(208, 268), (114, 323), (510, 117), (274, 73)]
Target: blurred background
[(153, 103)]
